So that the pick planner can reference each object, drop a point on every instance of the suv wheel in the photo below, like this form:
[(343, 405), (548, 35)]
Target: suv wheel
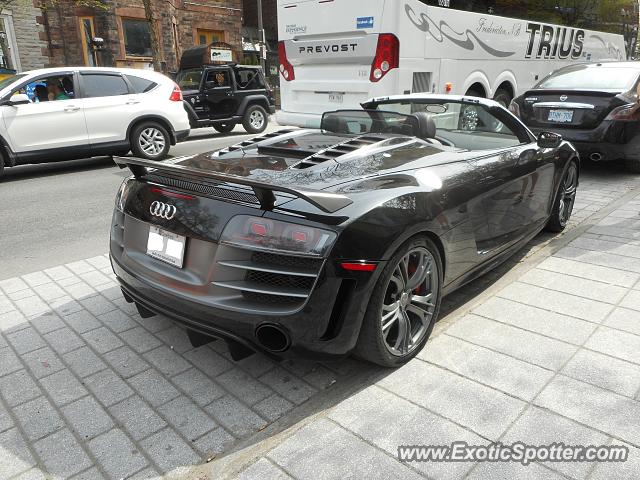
[(151, 141), (255, 119), (224, 127)]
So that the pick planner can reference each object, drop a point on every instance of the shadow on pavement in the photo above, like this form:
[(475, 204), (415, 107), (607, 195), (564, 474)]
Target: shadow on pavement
[(37, 170)]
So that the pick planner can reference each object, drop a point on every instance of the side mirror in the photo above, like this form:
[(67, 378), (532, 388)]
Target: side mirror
[(18, 99), (549, 140)]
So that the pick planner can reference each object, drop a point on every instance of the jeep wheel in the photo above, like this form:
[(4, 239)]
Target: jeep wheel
[(150, 141), (224, 127), (255, 119)]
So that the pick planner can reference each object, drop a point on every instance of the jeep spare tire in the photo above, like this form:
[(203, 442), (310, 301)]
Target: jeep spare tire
[(255, 119)]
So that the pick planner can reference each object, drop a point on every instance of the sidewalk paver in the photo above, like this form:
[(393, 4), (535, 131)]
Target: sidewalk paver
[(90, 389)]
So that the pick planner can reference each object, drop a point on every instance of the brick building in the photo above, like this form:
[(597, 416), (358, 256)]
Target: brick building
[(69, 30)]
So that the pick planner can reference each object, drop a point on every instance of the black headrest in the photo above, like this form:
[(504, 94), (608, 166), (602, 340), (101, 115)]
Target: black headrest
[(425, 126)]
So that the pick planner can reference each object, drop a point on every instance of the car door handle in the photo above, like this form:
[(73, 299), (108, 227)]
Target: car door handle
[(71, 108), (132, 102)]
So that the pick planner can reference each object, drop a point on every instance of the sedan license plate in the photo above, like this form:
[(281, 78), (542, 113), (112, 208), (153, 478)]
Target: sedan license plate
[(166, 246), (336, 97), (561, 116)]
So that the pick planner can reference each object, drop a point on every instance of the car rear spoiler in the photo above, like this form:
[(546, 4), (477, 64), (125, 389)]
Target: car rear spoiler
[(327, 202)]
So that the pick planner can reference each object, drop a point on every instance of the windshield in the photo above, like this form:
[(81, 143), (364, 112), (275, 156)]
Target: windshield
[(189, 79), (467, 126), (579, 77), (5, 82), (360, 122)]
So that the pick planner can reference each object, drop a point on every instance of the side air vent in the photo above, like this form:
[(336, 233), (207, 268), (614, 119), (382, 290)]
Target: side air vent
[(338, 150), (252, 141), (270, 281)]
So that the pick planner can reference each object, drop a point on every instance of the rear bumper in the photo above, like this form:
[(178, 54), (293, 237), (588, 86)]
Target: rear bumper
[(327, 327), (611, 140)]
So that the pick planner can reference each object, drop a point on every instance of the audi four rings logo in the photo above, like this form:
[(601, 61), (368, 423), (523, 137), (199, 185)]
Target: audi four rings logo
[(162, 210)]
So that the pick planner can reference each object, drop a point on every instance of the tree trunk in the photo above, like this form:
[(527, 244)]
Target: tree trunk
[(155, 39)]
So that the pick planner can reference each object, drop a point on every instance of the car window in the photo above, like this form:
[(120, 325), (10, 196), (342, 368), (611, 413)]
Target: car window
[(48, 89), (583, 77), (463, 125), (249, 79), (189, 79), (141, 85), (218, 78), (99, 85)]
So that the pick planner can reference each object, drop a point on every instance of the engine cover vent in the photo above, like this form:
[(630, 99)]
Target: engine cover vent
[(338, 150)]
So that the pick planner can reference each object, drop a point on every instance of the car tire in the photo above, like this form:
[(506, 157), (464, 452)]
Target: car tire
[(1, 165), (150, 141), (632, 165), (565, 200), (224, 127), (474, 93), (503, 98), (255, 119), (387, 346)]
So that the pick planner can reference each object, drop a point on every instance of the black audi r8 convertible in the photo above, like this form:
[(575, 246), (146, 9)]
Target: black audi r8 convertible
[(343, 239)]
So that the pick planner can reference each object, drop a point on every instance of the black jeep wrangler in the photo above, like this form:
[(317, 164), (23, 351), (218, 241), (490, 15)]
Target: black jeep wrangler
[(221, 94)]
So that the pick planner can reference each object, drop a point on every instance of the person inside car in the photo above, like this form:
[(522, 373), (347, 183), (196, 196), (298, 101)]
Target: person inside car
[(41, 93), (55, 92)]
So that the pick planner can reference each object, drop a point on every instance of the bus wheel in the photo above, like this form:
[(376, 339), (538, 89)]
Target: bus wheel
[(474, 93), (503, 97)]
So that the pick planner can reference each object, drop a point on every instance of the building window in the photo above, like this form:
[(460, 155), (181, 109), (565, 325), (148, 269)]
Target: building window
[(137, 38), (205, 37), (87, 32)]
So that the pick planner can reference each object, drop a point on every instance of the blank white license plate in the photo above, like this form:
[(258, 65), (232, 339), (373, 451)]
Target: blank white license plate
[(336, 97), (561, 116), (166, 246)]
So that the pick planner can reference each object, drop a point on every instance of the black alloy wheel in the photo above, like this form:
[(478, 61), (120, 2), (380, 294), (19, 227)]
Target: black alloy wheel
[(404, 305), (566, 199)]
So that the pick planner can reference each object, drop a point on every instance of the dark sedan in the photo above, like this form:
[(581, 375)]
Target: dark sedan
[(343, 239), (594, 106)]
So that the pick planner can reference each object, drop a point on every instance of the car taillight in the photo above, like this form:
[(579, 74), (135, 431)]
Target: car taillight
[(275, 235), (286, 69), (625, 113), (387, 56), (514, 108), (176, 95)]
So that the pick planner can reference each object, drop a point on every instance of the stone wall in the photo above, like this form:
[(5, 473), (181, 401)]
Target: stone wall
[(29, 34)]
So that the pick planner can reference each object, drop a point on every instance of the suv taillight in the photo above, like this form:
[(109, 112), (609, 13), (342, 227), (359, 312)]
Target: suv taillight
[(286, 69), (387, 56), (176, 95), (625, 113)]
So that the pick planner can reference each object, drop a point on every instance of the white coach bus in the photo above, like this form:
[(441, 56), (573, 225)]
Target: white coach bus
[(337, 53)]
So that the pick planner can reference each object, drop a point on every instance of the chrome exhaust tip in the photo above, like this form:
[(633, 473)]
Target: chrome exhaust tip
[(595, 157)]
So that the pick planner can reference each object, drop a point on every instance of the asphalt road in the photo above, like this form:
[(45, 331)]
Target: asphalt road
[(56, 213)]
